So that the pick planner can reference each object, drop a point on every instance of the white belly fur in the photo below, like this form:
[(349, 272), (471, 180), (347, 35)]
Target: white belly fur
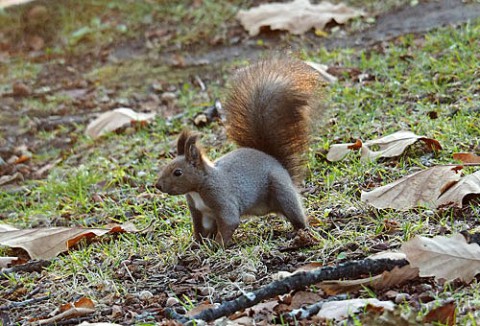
[(208, 220)]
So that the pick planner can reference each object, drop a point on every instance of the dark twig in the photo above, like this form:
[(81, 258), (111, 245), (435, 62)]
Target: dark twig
[(297, 281), (33, 266), (18, 304)]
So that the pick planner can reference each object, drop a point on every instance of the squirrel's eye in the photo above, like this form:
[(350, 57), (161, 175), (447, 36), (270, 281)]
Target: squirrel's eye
[(177, 172)]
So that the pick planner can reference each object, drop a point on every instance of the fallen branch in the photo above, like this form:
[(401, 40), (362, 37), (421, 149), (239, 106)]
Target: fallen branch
[(18, 304), (33, 266), (297, 281)]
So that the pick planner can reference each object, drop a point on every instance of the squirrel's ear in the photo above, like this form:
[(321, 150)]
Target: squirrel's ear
[(182, 139), (193, 152)]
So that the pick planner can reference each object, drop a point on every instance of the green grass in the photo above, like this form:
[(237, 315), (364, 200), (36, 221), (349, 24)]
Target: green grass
[(112, 179)]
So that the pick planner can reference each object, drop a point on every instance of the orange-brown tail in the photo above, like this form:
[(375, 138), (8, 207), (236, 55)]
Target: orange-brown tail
[(268, 108)]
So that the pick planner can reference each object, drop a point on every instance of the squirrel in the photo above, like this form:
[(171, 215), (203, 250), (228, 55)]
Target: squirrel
[(267, 110)]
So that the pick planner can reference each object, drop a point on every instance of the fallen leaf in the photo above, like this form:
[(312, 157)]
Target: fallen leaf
[(297, 17), (393, 145), (389, 146), (445, 314), (340, 310), (46, 243), (444, 258), (466, 157), (338, 151), (468, 185), (421, 188), (115, 119)]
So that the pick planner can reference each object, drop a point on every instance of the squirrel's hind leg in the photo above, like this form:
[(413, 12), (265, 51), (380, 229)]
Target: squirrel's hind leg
[(287, 202)]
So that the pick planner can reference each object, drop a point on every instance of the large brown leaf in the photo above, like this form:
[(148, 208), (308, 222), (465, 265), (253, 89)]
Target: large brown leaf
[(297, 17), (421, 188), (444, 258), (46, 243)]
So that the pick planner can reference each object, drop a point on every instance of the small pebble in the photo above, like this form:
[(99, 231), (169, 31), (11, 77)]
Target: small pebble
[(172, 301), (20, 89), (168, 97), (145, 295), (402, 297), (206, 290), (391, 294), (248, 278)]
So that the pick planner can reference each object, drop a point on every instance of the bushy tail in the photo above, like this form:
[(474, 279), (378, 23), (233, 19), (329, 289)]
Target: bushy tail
[(268, 108)]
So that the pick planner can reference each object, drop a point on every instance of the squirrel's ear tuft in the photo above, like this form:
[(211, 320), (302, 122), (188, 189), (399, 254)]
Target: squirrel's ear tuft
[(182, 139), (193, 152)]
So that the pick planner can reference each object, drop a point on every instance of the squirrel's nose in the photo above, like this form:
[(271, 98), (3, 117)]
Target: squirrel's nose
[(158, 185)]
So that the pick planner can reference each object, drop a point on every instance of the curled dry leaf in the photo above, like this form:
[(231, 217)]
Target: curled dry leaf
[(46, 243), (466, 157), (468, 185), (297, 17), (421, 188), (394, 144), (389, 146), (115, 119), (444, 258)]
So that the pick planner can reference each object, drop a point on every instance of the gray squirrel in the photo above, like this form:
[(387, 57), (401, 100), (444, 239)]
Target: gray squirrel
[(268, 116)]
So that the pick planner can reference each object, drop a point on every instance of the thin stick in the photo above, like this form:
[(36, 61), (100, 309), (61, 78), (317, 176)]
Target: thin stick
[(295, 282)]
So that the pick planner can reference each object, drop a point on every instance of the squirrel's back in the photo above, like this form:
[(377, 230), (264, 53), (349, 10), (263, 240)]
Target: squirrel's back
[(268, 108)]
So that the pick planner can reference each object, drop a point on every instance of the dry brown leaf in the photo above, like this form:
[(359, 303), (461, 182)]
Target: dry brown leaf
[(297, 17), (389, 146), (444, 258), (338, 151), (466, 157), (393, 145), (115, 119), (340, 310), (421, 188), (468, 185), (445, 314), (46, 243)]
